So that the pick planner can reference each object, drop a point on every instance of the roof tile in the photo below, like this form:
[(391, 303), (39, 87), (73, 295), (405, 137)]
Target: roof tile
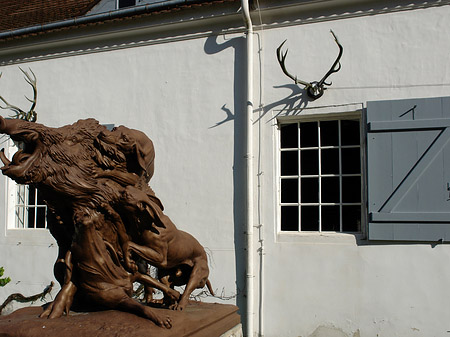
[(16, 14)]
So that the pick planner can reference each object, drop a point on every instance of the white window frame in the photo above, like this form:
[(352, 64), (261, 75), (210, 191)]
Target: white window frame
[(314, 117), (17, 212)]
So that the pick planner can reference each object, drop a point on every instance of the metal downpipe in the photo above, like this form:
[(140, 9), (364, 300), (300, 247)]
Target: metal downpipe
[(248, 231)]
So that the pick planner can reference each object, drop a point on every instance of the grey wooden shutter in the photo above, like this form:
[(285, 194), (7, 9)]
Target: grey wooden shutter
[(408, 164)]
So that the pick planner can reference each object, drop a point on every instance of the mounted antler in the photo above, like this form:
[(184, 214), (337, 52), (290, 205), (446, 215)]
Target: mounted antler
[(314, 89), (31, 115)]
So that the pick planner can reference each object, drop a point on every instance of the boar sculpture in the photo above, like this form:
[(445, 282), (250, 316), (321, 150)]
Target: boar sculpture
[(104, 216)]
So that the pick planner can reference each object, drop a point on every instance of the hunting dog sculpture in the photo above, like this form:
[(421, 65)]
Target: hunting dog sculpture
[(103, 215)]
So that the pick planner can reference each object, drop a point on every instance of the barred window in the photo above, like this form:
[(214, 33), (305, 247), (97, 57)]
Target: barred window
[(321, 176)]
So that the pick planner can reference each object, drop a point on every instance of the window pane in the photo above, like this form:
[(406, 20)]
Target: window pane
[(40, 199), (308, 134), (351, 218), (289, 218), (329, 133), (330, 189), (40, 221), (289, 190), (351, 189), (310, 190), (351, 161), (350, 132), (289, 163), (289, 136), (330, 161), (330, 219), (21, 194), (31, 195), (309, 162), (20, 217), (31, 217), (310, 218)]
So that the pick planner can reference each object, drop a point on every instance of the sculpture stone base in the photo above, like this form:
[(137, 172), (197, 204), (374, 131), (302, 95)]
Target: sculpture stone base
[(198, 319)]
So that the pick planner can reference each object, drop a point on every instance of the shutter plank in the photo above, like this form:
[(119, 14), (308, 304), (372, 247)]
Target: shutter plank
[(410, 232), (384, 126), (411, 217), (379, 170)]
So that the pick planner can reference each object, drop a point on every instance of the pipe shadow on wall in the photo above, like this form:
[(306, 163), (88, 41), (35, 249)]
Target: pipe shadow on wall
[(236, 114)]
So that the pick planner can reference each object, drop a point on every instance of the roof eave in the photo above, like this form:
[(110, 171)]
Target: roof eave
[(100, 17)]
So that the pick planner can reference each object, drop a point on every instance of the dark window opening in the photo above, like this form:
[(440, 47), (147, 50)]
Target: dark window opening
[(321, 176)]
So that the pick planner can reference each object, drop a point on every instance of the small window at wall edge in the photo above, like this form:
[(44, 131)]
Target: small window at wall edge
[(321, 174), (125, 3), (25, 207)]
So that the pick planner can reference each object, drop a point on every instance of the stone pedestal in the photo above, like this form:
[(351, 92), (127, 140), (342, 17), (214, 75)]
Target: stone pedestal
[(197, 320)]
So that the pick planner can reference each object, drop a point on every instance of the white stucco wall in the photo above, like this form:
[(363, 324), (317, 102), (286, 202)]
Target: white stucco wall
[(176, 101), (333, 284), (187, 95)]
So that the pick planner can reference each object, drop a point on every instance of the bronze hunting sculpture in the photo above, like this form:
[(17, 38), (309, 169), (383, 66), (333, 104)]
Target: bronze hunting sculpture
[(105, 217)]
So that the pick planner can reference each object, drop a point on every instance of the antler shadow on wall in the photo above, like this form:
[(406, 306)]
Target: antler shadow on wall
[(292, 104)]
